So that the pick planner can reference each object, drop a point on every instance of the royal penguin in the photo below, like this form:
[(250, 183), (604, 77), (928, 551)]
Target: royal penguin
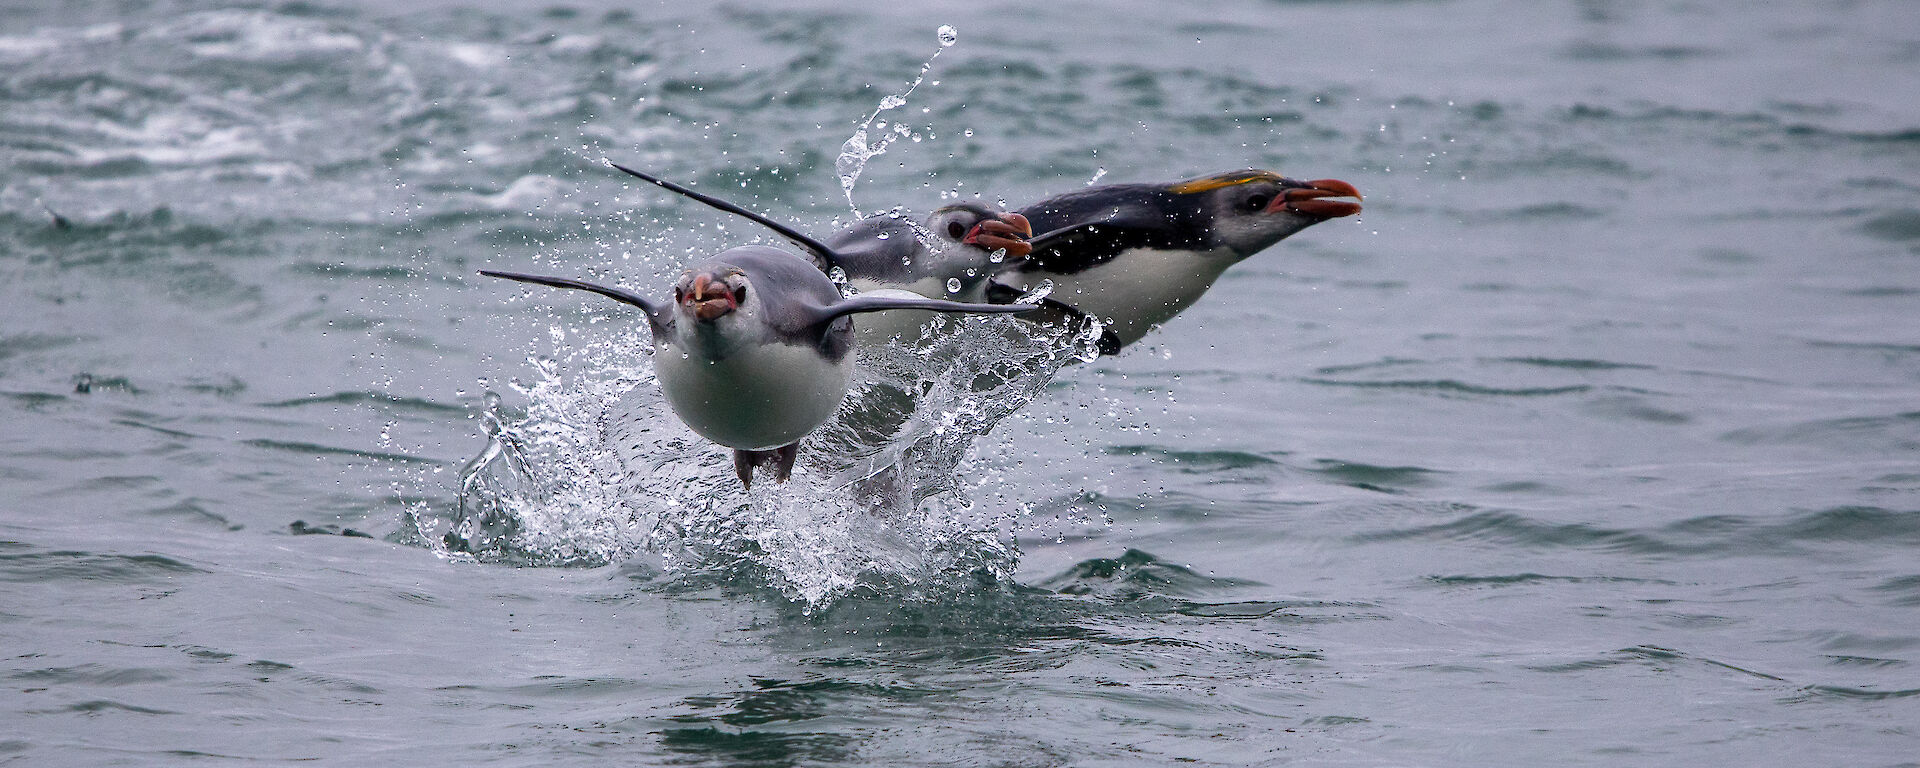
[(950, 254), (1136, 255)]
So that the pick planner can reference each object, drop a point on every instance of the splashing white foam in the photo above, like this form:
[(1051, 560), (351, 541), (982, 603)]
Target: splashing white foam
[(862, 146), (597, 470)]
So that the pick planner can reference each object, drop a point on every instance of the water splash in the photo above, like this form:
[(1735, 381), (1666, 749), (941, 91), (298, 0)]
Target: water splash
[(862, 146), (597, 470)]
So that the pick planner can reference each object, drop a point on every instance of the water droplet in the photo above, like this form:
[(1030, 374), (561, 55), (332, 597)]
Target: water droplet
[(1041, 291), (997, 255), (953, 285), (948, 35)]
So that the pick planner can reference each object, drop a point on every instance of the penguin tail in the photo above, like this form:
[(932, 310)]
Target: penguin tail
[(780, 460)]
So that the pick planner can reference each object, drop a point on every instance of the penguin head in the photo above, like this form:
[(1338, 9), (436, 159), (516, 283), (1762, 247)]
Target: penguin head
[(707, 294), (1253, 209), (983, 227)]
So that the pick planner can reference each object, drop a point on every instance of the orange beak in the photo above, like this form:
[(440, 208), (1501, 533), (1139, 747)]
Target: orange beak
[(1310, 199), (709, 298), (1010, 232)]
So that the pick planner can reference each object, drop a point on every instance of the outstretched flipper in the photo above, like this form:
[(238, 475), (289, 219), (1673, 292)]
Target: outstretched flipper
[(827, 257), (877, 303), (656, 314), (779, 459), (1054, 311)]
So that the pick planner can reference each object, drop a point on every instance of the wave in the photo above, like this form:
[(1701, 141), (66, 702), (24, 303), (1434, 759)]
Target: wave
[(1881, 434), (1453, 387), (1136, 574), (24, 563), (1712, 535), (372, 398)]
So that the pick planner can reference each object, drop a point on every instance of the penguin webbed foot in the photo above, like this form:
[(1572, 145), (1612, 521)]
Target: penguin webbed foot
[(780, 460)]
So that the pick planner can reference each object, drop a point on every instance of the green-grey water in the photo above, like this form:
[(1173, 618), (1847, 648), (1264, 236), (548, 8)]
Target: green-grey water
[(1594, 440)]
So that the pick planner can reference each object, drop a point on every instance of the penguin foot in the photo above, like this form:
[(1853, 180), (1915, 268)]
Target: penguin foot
[(780, 460)]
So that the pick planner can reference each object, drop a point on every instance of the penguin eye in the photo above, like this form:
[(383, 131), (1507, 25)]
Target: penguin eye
[(955, 230), (1257, 202)]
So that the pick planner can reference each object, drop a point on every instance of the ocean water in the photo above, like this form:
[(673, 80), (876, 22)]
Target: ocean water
[(1595, 440)]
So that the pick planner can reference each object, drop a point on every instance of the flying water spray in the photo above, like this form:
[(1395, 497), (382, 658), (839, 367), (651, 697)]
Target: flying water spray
[(863, 146)]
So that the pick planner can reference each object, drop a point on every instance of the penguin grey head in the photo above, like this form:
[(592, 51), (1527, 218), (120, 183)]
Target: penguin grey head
[(984, 227), (718, 309), (1251, 210), (749, 294)]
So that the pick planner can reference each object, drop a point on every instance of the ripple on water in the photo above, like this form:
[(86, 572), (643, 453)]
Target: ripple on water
[(92, 674), (96, 706), (1451, 387), (1194, 462), (1395, 480), (1572, 363), (1894, 226), (1527, 579), (1848, 693), (1634, 408), (1901, 590), (25, 563), (30, 343), (381, 400), (316, 449), (1650, 656), (1710, 535), (1873, 434), (1135, 574)]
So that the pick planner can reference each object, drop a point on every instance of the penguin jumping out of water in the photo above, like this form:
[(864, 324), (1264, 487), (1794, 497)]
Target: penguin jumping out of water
[(1136, 255), (753, 351), (952, 254)]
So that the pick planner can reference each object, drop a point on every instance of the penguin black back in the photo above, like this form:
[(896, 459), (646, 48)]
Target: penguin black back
[(1128, 215)]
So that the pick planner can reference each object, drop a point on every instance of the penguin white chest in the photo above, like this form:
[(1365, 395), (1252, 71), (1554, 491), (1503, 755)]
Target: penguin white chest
[(761, 397), (1140, 288)]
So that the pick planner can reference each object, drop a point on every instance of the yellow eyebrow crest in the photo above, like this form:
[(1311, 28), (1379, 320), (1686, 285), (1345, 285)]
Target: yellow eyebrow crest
[(1218, 180)]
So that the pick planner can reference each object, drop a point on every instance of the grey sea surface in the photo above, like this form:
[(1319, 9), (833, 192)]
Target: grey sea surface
[(1594, 440)]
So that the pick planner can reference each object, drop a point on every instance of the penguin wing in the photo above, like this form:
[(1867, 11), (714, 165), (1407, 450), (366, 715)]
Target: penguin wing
[(877, 302), (657, 317), (826, 256), (1056, 311)]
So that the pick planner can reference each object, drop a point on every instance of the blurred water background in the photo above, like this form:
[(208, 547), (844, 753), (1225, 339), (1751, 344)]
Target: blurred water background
[(1595, 440)]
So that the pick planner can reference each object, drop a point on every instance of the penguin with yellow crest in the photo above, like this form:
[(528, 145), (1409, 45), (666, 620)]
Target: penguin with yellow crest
[(1135, 255)]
